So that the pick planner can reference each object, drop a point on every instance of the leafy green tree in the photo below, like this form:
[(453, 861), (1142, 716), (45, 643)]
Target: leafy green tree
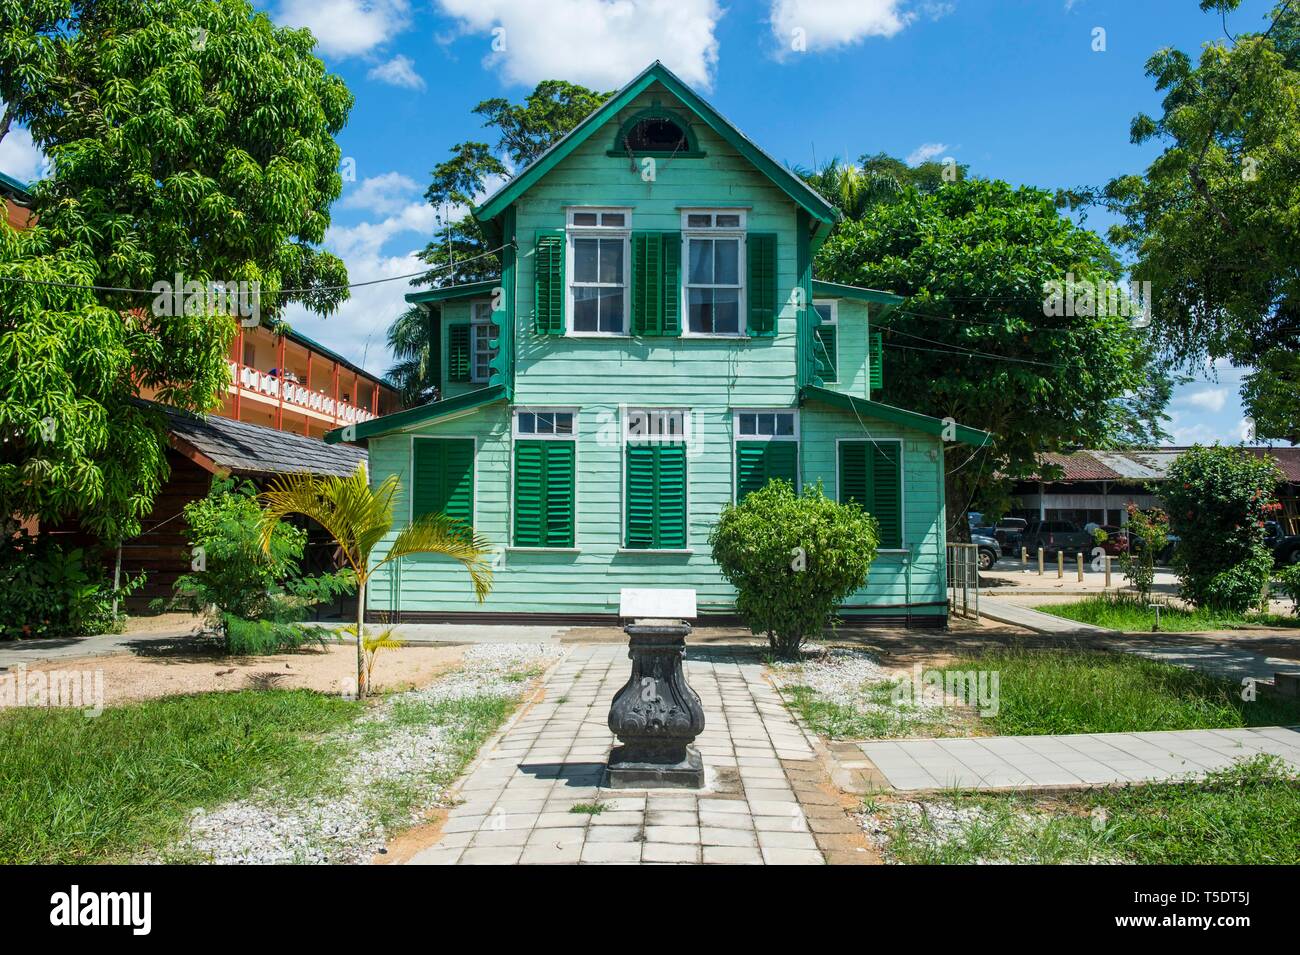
[(793, 559), (190, 139), (458, 252), (878, 178), (1212, 222), (973, 342), (1218, 499)]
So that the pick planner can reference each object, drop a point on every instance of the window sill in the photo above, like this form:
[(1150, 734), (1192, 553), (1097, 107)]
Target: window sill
[(725, 336), (597, 335), (655, 550), (511, 549)]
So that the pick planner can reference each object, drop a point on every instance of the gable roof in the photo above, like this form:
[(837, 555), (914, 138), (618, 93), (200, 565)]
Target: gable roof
[(1152, 465), (225, 444), (422, 415), (449, 293), (898, 416), (803, 195)]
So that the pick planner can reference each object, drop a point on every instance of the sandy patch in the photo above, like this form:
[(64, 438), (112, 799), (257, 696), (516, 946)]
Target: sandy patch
[(185, 669)]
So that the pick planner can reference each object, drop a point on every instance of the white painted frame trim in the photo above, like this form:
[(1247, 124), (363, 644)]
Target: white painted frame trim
[(475, 323), (739, 233), (737, 437), (510, 476), (624, 411), (572, 232)]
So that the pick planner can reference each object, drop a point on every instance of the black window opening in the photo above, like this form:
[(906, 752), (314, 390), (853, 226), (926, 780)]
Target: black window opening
[(657, 135)]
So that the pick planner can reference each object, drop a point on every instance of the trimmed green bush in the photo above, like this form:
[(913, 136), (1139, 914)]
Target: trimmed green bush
[(1218, 499), (792, 559)]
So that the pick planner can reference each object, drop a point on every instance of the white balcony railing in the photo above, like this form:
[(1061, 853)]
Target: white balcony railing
[(295, 393)]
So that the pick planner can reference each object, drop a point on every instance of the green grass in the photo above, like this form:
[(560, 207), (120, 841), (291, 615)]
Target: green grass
[(588, 808), (1248, 814), (873, 716), (1122, 613), (79, 789), (1096, 691)]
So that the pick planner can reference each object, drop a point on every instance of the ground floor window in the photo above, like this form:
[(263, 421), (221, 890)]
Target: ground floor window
[(871, 473), (443, 478), (767, 448), (544, 493)]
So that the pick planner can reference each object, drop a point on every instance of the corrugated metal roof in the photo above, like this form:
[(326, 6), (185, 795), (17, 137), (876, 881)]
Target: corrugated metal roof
[(252, 449), (1146, 465)]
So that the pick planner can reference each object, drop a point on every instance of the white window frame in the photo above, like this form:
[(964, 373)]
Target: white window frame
[(478, 345), (739, 233), (735, 425), (510, 471), (655, 413), (542, 409), (573, 232)]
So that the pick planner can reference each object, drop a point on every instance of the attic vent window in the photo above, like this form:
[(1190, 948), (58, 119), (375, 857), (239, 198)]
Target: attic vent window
[(657, 135)]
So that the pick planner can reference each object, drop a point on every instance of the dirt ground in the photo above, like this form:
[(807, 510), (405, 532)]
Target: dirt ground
[(190, 667)]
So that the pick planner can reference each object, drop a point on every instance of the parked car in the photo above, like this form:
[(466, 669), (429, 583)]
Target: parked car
[(989, 549), (1009, 532), (1057, 536), (1116, 541), (1285, 547)]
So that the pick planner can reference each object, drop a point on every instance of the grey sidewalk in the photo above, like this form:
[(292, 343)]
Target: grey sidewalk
[(1035, 620), (42, 649), (518, 801), (1030, 762)]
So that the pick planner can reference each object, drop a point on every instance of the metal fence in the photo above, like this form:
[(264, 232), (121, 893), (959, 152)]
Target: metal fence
[(964, 579)]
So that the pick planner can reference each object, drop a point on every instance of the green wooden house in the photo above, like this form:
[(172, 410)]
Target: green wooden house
[(656, 346)]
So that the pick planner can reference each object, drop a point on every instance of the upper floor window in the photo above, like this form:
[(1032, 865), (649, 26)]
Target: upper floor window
[(598, 280), (826, 341), (482, 332), (714, 250)]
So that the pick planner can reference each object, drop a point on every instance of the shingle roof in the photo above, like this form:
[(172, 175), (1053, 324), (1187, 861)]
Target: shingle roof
[(1146, 465), (252, 449)]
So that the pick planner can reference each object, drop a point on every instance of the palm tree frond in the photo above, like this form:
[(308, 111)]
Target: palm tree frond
[(440, 534)]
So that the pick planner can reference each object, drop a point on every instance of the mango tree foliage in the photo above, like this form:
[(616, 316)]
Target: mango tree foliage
[(1214, 223), (973, 343), (190, 139)]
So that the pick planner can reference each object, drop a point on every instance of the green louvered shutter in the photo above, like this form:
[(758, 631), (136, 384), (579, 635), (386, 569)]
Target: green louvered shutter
[(887, 492), (656, 265), (670, 524), (641, 495), (877, 360), (544, 493), (647, 284), (548, 283), (444, 478), (559, 493), (656, 496), (827, 358), (854, 479), (458, 352), (672, 283), (760, 252), (758, 462), (530, 466)]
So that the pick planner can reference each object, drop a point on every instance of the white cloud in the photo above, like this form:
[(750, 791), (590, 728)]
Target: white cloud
[(924, 152), (19, 156), (383, 195), (1208, 399), (347, 27), (399, 71), (598, 43), (818, 25), (1246, 430)]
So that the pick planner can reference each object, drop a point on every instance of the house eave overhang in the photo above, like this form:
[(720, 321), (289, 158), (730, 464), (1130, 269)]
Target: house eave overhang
[(452, 293), (836, 290), (417, 417), (899, 416)]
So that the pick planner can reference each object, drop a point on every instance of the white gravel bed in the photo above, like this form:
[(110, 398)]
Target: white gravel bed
[(271, 828)]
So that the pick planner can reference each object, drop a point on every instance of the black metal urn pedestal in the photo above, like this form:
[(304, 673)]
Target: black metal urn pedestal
[(656, 715)]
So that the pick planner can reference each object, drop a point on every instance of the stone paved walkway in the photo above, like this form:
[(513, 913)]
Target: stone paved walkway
[(1028, 762), (760, 805)]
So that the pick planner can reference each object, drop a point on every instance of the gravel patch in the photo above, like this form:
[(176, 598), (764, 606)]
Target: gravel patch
[(381, 753)]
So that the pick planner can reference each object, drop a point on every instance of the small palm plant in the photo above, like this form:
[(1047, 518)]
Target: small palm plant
[(358, 517)]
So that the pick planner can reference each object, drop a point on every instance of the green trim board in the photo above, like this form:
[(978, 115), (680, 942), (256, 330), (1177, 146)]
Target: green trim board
[(692, 150), (415, 417), (450, 293), (898, 416), (800, 192), (823, 289), (15, 185)]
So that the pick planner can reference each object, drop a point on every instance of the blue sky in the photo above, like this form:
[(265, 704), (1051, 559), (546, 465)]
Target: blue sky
[(1014, 88)]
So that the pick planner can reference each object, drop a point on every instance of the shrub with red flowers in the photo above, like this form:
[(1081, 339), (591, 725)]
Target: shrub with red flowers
[(1218, 499)]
